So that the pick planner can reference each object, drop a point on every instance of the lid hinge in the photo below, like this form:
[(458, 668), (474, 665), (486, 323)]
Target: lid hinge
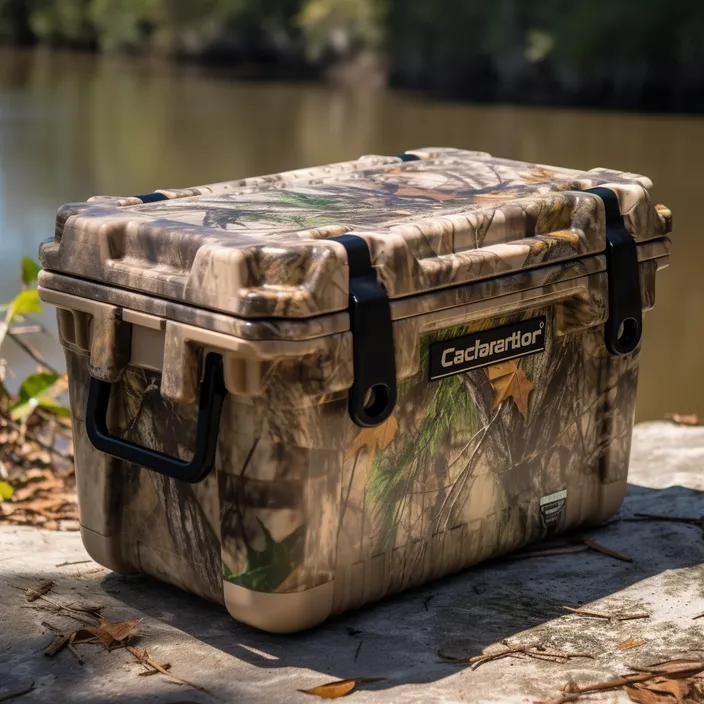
[(623, 329), (372, 396)]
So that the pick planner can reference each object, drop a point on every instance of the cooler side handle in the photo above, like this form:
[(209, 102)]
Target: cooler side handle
[(212, 395)]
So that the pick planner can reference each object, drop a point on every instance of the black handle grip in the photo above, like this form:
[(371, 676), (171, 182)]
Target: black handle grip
[(212, 395)]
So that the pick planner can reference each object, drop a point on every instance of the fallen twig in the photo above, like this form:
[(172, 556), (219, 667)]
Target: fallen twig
[(77, 562), (701, 615), (548, 552), (675, 519), (356, 652), (676, 669), (539, 652), (593, 545), (143, 657), (60, 640), (587, 612), (70, 612), (71, 647), (16, 693), (573, 688), (599, 614), (632, 617)]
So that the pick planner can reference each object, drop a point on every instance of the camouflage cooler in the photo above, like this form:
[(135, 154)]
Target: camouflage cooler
[(300, 393)]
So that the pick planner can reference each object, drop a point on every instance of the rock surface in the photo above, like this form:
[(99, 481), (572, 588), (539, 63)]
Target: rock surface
[(398, 639)]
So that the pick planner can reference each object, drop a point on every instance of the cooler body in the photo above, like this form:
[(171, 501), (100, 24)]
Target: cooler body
[(507, 417)]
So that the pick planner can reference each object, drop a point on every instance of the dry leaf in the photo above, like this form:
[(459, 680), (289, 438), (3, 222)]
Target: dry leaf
[(664, 685), (373, 439), (645, 696), (607, 551), (628, 644), (683, 419), (33, 593), (422, 193), (508, 380), (675, 667), (333, 690), (109, 632)]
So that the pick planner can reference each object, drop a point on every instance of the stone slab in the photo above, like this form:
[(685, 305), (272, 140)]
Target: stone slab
[(398, 639)]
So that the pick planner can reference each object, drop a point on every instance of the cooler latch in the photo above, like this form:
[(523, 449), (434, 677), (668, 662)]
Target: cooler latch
[(372, 396), (623, 329)]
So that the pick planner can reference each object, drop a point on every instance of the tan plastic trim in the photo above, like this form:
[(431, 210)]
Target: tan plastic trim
[(70, 302), (106, 551), (255, 350), (279, 613)]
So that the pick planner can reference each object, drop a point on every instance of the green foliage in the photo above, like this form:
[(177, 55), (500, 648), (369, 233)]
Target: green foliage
[(445, 43), (447, 415), (341, 27), (41, 389), (267, 569), (58, 21), (30, 271), (24, 303), (6, 491)]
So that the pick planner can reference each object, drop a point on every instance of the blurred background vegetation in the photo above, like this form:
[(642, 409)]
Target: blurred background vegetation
[(618, 54)]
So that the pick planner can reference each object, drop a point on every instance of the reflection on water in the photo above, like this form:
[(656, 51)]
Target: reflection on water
[(72, 126)]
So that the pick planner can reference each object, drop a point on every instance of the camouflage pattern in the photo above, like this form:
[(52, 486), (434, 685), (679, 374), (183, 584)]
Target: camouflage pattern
[(301, 497), (258, 248)]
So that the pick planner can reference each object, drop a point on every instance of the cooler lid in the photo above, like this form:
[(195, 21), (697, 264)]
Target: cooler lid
[(432, 218)]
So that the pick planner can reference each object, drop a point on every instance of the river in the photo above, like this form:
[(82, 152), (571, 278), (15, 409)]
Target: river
[(77, 125)]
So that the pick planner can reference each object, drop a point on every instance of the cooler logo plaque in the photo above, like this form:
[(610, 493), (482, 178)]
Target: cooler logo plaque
[(487, 347)]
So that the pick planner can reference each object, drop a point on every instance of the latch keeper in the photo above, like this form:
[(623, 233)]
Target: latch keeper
[(372, 396), (624, 327)]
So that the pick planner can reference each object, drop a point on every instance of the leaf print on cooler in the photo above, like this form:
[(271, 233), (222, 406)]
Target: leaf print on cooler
[(267, 569), (509, 381), (373, 439)]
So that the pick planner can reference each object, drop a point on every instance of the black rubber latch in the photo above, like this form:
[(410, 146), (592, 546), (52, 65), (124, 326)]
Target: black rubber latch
[(152, 197), (372, 397), (624, 327)]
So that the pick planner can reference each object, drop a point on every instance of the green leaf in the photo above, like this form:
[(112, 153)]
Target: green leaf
[(6, 491), (52, 406), (36, 385), (268, 568), (24, 303), (30, 271), (37, 389)]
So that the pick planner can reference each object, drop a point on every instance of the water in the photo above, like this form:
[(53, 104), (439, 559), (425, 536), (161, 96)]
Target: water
[(73, 126)]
